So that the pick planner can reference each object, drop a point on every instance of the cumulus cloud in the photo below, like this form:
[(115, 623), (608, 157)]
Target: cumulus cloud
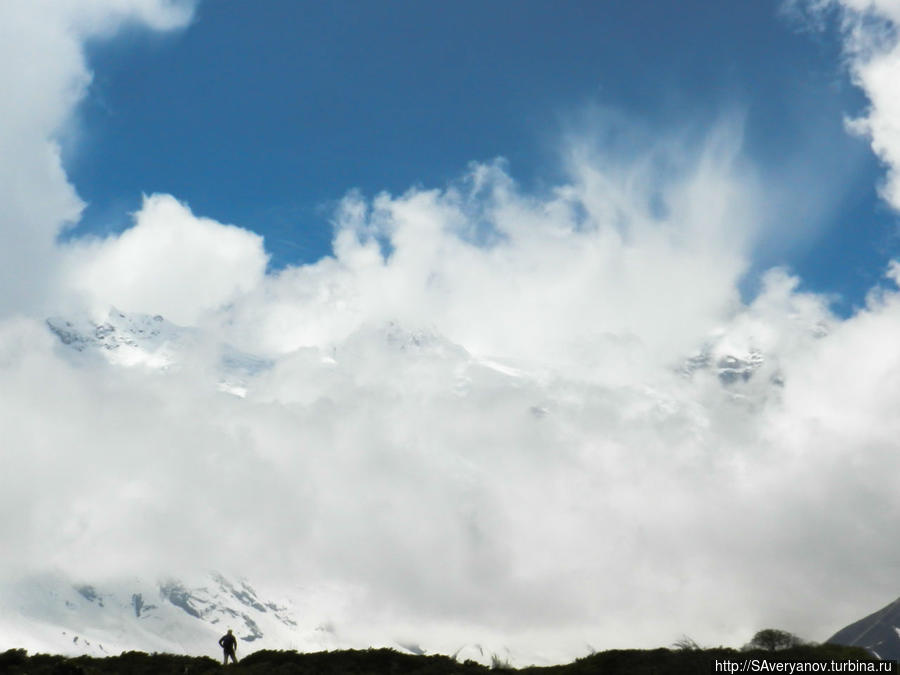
[(544, 417), (43, 75), (637, 264), (169, 262)]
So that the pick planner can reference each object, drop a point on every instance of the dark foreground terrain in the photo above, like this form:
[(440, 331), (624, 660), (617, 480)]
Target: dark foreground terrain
[(389, 662)]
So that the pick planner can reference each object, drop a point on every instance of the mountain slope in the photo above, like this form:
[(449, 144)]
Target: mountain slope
[(879, 632), (57, 614), (52, 613)]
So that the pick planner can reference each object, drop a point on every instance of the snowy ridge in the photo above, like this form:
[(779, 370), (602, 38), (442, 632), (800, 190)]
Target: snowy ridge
[(51, 613), (152, 342), (141, 340), (729, 368), (125, 339), (62, 616)]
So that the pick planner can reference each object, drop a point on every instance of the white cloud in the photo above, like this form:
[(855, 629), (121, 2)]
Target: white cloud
[(43, 76), (587, 278), (170, 262), (438, 489)]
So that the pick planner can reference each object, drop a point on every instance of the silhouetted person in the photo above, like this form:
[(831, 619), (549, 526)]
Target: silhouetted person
[(229, 644)]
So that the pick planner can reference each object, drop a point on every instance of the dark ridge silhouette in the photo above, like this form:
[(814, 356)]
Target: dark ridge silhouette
[(390, 662), (876, 633)]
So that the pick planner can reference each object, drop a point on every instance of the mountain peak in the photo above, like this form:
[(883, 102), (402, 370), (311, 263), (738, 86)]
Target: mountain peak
[(152, 342)]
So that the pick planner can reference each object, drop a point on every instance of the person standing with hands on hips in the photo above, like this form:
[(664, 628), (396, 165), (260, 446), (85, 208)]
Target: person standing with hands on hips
[(229, 644)]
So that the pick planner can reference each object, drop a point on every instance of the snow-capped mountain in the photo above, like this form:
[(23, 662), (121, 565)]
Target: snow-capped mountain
[(142, 340), (729, 368), (125, 339), (52, 613), (745, 374), (878, 632), (152, 342)]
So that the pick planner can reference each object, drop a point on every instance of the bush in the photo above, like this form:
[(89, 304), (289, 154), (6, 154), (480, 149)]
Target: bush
[(772, 639), (13, 657)]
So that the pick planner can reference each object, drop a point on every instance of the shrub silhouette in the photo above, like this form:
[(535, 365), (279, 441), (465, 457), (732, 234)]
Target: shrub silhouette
[(772, 639), (13, 657), (391, 662)]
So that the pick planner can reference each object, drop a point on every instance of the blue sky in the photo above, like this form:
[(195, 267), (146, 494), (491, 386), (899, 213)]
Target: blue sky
[(265, 114)]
